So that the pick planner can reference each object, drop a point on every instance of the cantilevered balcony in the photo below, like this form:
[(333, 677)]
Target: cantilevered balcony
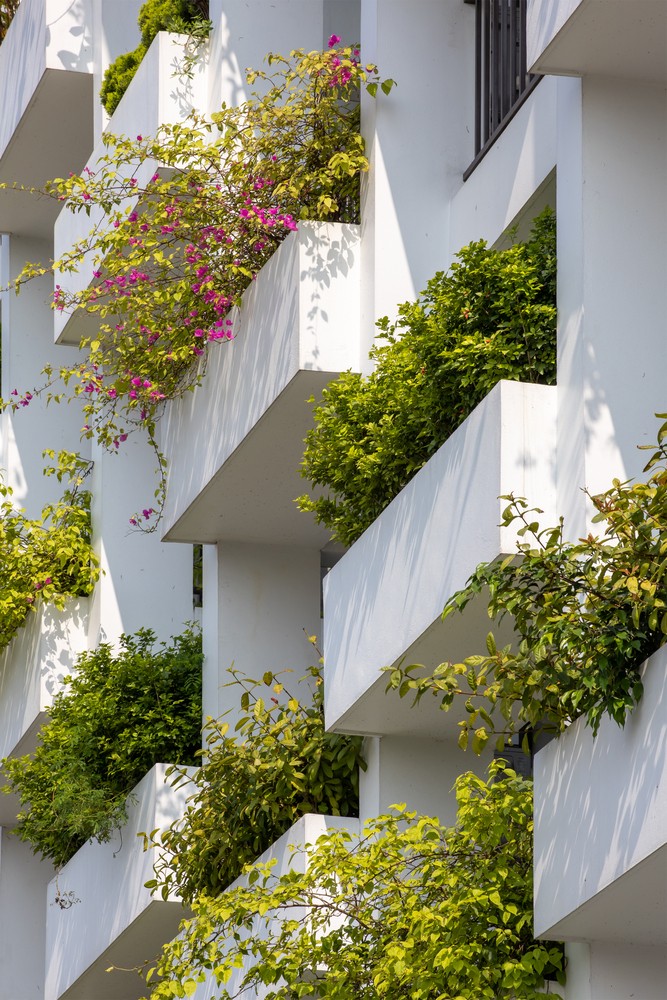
[(234, 446), (115, 920), (46, 127), (623, 38), (601, 826), (32, 669), (159, 94), (383, 601), (290, 853)]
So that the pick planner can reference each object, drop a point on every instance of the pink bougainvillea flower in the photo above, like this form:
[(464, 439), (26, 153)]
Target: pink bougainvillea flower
[(334, 40)]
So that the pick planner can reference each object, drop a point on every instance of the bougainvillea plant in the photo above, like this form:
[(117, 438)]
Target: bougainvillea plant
[(182, 223), (48, 558)]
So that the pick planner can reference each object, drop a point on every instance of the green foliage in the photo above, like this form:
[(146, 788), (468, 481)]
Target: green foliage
[(119, 714), (586, 615), (254, 784), (410, 911), (181, 16), (48, 558), (162, 283), (491, 317), (7, 10)]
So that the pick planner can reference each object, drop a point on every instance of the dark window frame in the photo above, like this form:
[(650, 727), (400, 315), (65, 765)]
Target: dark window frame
[(502, 80)]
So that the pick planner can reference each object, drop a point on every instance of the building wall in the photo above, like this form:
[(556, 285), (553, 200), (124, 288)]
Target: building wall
[(593, 143)]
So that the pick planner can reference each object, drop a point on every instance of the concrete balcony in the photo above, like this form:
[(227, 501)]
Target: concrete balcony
[(115, 920), (32, 669), (46, 127), (626, 38), (601, 827), (383, 601), (158, 95), (303, 833), (234, 446)]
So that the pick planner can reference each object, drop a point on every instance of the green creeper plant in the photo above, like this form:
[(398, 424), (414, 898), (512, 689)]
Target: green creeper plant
[(162, 283), (118, 714), (586, 614), (491, 317), (181, 16), (49, 558), (411, 910), (253, 784)]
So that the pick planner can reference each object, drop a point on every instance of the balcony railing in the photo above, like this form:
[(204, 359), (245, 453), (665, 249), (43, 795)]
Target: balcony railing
[(502, 80)]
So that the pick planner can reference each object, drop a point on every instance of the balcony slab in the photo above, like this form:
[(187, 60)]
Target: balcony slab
[(383, 600), (234, 445), (115, 921), (601, 826), (624, 39), (45, 68)]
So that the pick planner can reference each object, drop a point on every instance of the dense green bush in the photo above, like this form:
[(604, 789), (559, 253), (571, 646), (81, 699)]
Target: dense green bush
[(254, 784), (491, 317), (118, 715), (185, 16)]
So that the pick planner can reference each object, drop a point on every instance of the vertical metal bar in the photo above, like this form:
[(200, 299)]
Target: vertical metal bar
[(487, 4), (515, 41), (524, 54), (478, 76), (504, 104)]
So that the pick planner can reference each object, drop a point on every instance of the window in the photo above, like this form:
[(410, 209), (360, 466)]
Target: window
[(501, 77)]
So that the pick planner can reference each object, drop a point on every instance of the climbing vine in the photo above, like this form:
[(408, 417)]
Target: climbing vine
[(183, 221)]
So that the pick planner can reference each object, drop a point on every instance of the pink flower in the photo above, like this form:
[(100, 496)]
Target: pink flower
[(334, 40), (140, 138)]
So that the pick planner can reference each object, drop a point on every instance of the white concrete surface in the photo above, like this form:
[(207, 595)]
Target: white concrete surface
[(383, 601), (234, 445), (83, 940), (32, 669), (601, 826)]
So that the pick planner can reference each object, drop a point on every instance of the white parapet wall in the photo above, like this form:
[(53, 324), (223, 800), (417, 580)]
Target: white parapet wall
[(115, 919), (32, 668), (383, 601), (601, 826), (240, 434), (290, 853), (46, 64)]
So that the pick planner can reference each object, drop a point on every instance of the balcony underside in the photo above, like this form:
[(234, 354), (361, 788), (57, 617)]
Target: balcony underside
[(623, 39)]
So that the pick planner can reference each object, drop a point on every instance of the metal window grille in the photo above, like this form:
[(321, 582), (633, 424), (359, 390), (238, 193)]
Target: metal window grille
[(501, 77)]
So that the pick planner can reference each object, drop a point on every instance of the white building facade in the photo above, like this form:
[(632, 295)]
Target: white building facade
[(588, 136)]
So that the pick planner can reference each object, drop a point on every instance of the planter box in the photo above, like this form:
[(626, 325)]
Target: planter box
[(45, 66), (304, 832), (601, 826), (243, 428), (158, 95), (383, 601), (116, 920), (627, 38), (32, 669)]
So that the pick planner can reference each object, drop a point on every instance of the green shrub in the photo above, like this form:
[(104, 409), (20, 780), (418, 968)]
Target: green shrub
[(183, 16), (253, 785), (491, 317), (586, 614), (119, 714), (47, 559), (412, 910)]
